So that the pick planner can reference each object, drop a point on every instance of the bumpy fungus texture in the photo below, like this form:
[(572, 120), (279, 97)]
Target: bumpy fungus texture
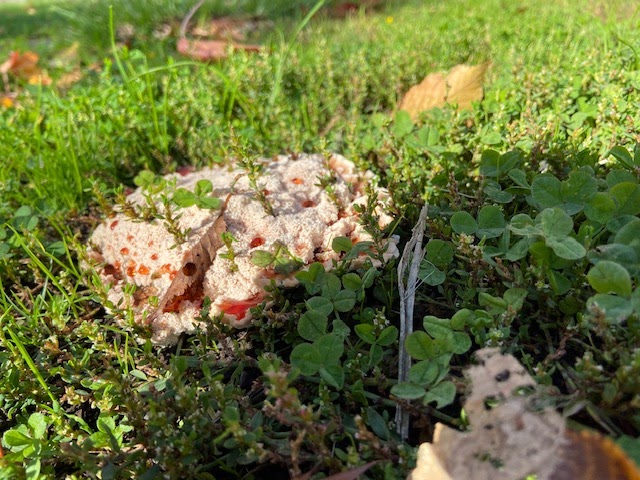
[(306, 221)]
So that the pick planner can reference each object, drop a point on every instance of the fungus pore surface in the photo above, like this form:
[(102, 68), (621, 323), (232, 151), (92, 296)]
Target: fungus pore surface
[(146, 256)]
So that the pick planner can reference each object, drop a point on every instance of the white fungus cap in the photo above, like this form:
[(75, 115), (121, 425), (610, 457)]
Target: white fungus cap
[(306, 221)]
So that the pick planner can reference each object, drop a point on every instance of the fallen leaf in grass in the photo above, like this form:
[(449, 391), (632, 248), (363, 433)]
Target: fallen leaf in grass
[(211, 49), (68, 79), (187, 285), (513, 435), (24, 66), (7, 100), (590, 456), (460, 87), (236, 29), (345, 8)]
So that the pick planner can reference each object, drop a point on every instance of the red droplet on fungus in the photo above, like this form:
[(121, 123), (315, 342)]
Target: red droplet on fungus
[(114, 224), (239, 308), (297, 181), (256, 242), (124, 251), (129, 238), (308, 204), (143, 270), (154, 256)]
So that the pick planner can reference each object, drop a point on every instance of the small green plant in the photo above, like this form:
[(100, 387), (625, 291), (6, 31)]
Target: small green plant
[(281, 260), (229, 254)]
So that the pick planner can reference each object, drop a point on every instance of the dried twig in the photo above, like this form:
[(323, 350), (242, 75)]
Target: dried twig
[(408, 266)]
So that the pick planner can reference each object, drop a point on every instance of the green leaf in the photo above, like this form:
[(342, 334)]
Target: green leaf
[(312, 325), (331, 348), (439, 252), (443, 394), (600, 208), (15, 438), (402, 124), (38, 424), (523, 224), (144, 178), (492, 164), (519, 177), (211, 203), (518, 250), (491, 222), (366, 332), (203, 187), (306, 358), (616, 309), (424, 372), (333, 375), (461, 318), (496, 305), (622, 155), (352, 281), (311, 277), (559, 283), (579, 188), (437, 327), (339, 328), (344, 301), (331, 285), (610, 277), (555, 223), (460, 343), (430, 274), (262, 258), (408, 391), (626, 196), (420, 346), (629, 235), (515, 298), (378, 424), (184, 198), (387, 336), (568, 248), (341, 244), (322, 305), (463, 222), (547, 190)]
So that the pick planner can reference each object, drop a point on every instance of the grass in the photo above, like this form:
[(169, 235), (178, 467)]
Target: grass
[(86, 397)]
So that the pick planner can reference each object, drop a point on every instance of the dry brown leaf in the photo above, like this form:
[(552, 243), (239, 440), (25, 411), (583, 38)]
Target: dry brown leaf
[(70, 78), (460, 87), (512, 438), (187, 284), (24, 66), (228, 28), (211, 49), (591, 456)]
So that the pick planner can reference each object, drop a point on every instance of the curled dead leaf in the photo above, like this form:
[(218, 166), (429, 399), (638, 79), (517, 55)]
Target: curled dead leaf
[(187, 284), (211, 49), (512, 437), (24, 66), (460, 87)]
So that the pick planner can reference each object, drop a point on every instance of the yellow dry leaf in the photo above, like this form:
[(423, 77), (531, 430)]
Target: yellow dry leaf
[(6, 101), (460, 87)]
